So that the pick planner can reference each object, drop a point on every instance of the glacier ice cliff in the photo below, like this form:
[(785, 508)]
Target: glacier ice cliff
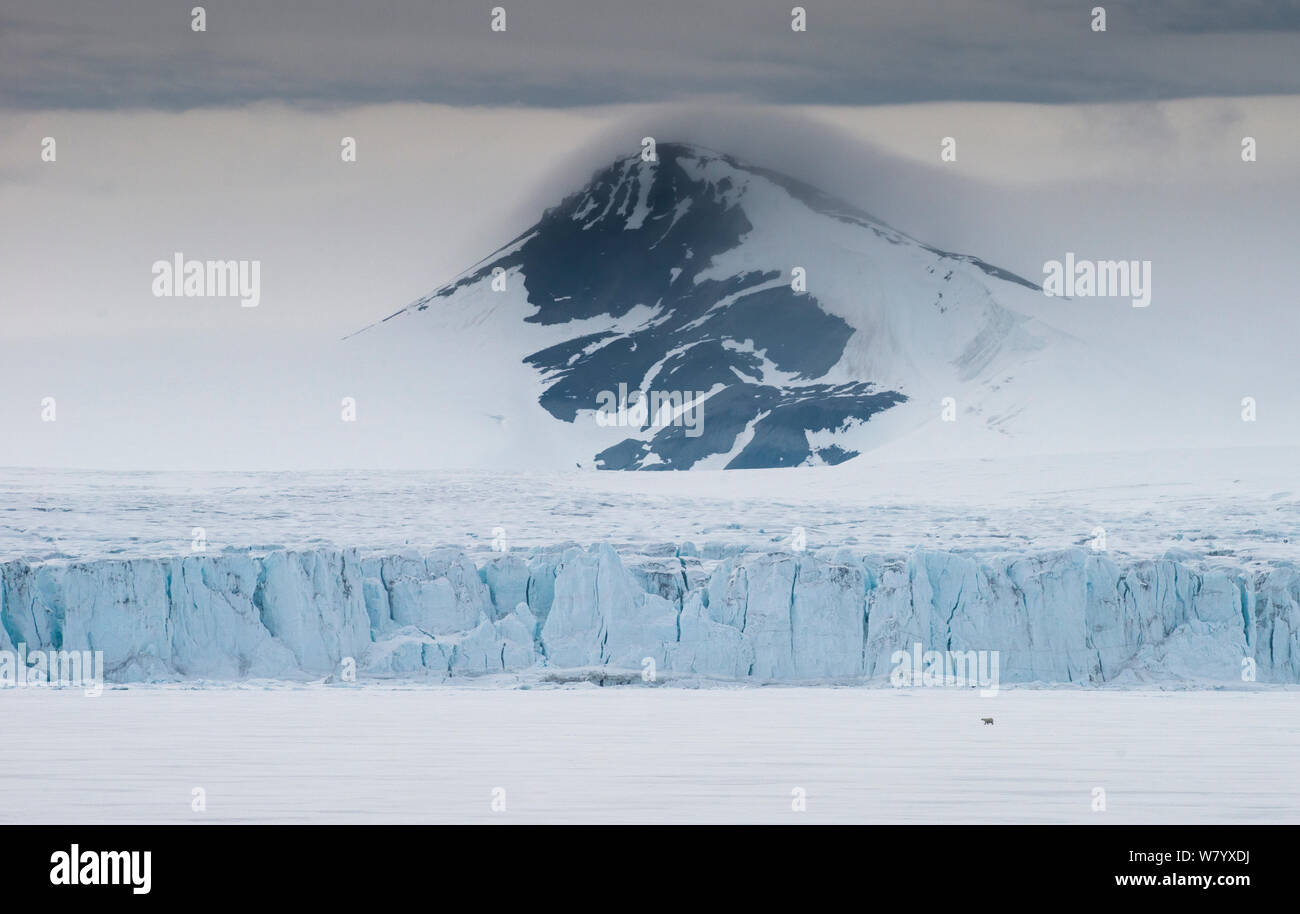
[(1065, 616)]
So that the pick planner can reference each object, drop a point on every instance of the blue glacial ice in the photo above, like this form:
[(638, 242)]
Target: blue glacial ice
[(1069, 616)]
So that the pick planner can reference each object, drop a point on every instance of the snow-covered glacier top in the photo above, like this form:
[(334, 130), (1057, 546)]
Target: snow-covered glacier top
[(1234, 506)]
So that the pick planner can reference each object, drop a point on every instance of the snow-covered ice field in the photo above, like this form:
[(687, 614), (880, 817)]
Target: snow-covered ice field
[(422, 755), (1236, 505)]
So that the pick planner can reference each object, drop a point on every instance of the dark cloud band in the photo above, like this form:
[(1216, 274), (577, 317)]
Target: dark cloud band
[(143, 53)]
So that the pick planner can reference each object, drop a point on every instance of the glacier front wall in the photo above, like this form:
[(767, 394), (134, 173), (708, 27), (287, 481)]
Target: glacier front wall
[(1067, 616)]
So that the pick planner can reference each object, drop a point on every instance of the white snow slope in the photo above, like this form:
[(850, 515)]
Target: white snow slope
[(610, 293)]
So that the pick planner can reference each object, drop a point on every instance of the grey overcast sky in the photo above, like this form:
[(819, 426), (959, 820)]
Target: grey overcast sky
[(563, 53)]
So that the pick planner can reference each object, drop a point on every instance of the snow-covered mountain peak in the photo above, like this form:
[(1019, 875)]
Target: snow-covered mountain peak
[(804, 329)]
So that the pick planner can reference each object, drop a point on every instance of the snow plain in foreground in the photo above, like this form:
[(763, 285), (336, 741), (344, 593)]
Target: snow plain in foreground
[(639, 754)]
